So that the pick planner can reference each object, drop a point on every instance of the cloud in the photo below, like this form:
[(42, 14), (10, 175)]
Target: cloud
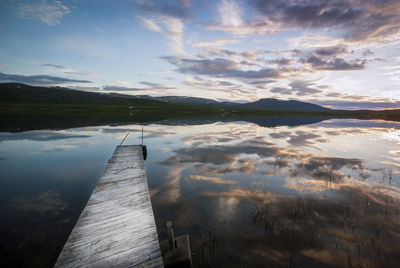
[(357, 105), (331, 50), (42, 80), (251, 27), (310, 13), (166, 18), (280, 61), (354, 20), (151, 25), (49, 13), (219, 67), (225, 83), (213, 84), (151, 86), (171, 28), (230, 13), (313, 41), (172, 9), (336, 64), (367, 53), (53, 66), (303, 88), (66, 70), (281, 90), (220, 52), (157, 85), (123, 83), (215, 43), (298, 87), (174, 32), (119, 88)]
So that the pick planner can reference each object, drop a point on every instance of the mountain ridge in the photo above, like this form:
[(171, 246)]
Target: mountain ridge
[(17, 92)]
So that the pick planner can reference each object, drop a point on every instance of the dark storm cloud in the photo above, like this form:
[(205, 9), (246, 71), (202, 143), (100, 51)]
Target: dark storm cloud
[(219, 67), (336, 64), (356, 20), (168, 8), (39, 79)]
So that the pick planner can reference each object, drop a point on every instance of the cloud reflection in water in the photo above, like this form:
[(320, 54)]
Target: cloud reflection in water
[(287, 195)]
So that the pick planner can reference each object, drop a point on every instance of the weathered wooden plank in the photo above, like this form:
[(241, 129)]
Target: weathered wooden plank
[(117, 227)]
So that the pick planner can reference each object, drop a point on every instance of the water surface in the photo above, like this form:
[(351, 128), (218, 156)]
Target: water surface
[(249, 194)]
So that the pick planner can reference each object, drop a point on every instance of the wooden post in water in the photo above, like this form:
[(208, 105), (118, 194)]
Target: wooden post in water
[(178, 253), (171, 238)]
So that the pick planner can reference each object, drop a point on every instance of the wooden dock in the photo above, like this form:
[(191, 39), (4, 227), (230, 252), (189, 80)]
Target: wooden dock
[(117, 227)]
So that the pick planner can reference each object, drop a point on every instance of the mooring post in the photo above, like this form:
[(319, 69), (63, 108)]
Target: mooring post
[(171, 238), (178, 254)]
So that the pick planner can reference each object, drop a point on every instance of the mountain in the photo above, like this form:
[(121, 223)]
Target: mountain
[(262, 104), (20, 93), (279, 105), (171, 99)]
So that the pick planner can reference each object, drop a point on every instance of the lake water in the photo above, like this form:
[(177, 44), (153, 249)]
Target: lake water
[(249, 194)]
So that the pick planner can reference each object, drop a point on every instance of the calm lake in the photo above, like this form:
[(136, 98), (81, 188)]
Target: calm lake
[(266, 192)]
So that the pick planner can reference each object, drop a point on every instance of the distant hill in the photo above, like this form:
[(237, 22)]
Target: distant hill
[(262, 104), (291, 105), (21, 93)]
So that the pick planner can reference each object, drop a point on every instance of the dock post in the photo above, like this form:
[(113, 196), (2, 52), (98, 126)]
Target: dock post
[(171, 238), (178, 253)]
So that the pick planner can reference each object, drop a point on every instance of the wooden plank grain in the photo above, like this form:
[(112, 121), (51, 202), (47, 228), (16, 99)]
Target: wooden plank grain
[(117, 227)]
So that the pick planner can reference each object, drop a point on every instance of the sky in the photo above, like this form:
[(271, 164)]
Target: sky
[(340, 53)]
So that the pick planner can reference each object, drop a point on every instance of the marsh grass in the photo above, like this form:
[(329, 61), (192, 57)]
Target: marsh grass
[(355, 233), (206, 256)]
